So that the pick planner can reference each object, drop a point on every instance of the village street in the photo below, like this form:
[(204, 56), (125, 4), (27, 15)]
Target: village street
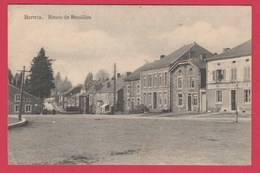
[(131, 139)]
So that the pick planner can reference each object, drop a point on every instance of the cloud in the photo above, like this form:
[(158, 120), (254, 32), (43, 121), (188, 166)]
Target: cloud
[(213, 38)]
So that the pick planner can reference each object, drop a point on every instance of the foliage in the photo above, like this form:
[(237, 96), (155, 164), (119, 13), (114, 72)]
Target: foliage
[(102, 75), (41, 78), (10, 76), (88, 79), (61, 85)]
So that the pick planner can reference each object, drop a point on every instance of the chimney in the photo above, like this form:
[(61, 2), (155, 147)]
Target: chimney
[(226, 49), (162, 56), (108, 84), (118, 75), (128, 73)]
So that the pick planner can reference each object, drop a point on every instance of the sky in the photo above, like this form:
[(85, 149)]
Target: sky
[(126, 35)]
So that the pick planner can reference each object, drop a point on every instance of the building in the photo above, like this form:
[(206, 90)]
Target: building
[(31, 104), (133, 90), (104, 97), (188, 86), (229, 79), (70, 99), (155, 77), (87, 103)]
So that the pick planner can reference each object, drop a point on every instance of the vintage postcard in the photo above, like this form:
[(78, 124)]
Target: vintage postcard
[(129, 85)]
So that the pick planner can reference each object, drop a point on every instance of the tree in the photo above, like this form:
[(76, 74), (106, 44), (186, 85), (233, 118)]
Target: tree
[(10, 76), (41, 78), (88, 79), (61, 85), (17, 80), (66, 85), (102, 75)]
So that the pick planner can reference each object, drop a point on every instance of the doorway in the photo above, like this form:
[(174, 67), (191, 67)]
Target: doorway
[(189, 102), (233, 99), (154, 100)]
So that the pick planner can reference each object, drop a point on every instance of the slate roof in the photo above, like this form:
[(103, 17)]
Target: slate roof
[(195, 61), (136, 74), (119, 85), (74, 90), (16, 88), (166, 61), (243, 49)]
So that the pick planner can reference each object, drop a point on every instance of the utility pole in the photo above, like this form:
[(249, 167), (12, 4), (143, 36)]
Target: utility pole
[(236, 103), (115, 105), (21, 93)]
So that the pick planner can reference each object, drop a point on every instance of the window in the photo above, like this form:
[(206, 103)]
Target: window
[(180, 99), (128, 89), (138, 101), (203, 57), (16, 108), (219, 96), (28, 108), (155, 80), (165, 98), (150, 99), (144, 81), (133, 101), (128, 103), (192, 82), (149, 80), (160, 79), (28, 99), (247, 73), (218, 75), (138, 89), (145, 99), (17, 97), (165, 79), (195, 100), (160, 98), (233, 74), (247, 96), (179, 83)]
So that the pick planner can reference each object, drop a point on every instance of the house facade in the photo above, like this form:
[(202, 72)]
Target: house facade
[(31, 104), (70, 99), (156, 80), (229, 79), (188, 84)]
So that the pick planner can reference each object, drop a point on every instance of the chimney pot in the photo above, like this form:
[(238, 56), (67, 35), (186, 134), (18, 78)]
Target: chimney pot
[(162, 56)]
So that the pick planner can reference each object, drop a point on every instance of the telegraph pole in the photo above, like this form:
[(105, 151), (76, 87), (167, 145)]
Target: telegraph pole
[(236, 103), (115, 105), (21, 93)]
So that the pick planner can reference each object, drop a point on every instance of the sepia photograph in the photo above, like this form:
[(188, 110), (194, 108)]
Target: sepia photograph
[(129, 85)]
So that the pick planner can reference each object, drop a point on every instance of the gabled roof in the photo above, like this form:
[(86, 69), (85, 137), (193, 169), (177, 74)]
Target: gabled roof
[(193, 61), (243, 49), (136, 74), (16, 88), (119, 85), (74, 90), (169, 59)]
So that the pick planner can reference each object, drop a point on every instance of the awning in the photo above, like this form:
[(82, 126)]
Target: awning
[(104, 105)]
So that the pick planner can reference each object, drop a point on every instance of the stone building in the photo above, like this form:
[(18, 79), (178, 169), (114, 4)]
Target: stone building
[(31, 104), (155, 77), (229, 79), (188, 86)]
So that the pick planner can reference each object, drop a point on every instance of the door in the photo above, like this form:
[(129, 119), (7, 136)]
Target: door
[(233, 99), (154, 100), (87, 105), (189, 102)]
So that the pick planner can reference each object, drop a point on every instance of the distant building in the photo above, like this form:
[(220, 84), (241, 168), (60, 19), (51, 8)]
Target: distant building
[(155, 77), (70, 98), (31, 104), (229, 79), (104, 97)]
